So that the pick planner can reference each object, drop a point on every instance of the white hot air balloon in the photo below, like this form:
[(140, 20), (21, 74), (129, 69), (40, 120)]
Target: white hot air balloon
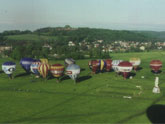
[(135, 62), (73, 71), (115, 64), (9, 68)]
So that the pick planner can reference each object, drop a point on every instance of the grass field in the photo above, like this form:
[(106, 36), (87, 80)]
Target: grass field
[(31, 37), (94, 99)]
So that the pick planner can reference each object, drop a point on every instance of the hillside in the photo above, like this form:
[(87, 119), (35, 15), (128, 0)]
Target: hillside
[(81, 34)]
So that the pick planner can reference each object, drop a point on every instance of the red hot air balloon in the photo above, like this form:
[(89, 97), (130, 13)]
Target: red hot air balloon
[(94, 65), (125, 67), (155, 65), (44, 69), (108, 64), (57, 70)]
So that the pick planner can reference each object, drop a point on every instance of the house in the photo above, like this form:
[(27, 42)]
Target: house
[(3, 48), (142, 48), (71, 43)]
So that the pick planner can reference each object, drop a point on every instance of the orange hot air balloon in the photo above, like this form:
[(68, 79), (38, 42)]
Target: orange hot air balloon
[(44, 61), (44, 69), (57, 70)]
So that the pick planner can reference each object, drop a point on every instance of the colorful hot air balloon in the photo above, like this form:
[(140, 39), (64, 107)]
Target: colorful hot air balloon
[(102, 65), (43, 69), (108, 64), (156, 65), (73, 71), (57, 70), (115, 64), (9, 68), (135, 62), (125, 67), (93, 65), (34, 68), (44, 61), (69, 61), (25, 63)]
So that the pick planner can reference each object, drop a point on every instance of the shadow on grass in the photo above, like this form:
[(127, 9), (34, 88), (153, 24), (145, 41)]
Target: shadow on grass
[(156, 72), (156, 114), (139, 68), (83, 78), (1, 72), (22, 74), (83, 69)]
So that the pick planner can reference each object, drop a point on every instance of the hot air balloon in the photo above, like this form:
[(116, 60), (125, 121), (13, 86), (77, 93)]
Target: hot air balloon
[(69, 61), (34, 68), (94, 65), (43, 69), (115, 64), (135, 62), (73, 71), (108, 64), (102, 65), (57, 70), (125, 67), (9, 68), (25, 63), (44, 61), (156, 65)]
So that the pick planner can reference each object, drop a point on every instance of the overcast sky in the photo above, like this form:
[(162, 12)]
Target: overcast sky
[(110, 14)]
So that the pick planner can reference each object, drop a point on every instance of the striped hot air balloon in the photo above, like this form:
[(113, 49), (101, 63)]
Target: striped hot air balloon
[(108, 64), (135, 62), (43, 60), (57, 70), (125, 67), (156, 65), (102, 65), (43, 69)]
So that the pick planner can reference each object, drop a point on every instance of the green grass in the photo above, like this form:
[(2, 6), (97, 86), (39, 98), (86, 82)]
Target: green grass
[(30, 37), (98, 99)]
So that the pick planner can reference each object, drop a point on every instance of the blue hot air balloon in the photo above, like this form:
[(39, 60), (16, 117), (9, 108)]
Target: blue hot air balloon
[(73, 71), (9, 68), (26, 63)]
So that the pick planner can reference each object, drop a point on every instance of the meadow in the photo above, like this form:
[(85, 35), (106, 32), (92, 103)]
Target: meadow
[(95, 98)]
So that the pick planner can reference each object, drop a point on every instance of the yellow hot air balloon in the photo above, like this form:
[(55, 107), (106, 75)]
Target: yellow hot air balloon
[(44, 61), (135, 62), (44, 69)]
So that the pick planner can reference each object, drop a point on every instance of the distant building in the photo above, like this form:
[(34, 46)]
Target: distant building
[(47, 46), (3, 48), (71, 43), (142, 48)]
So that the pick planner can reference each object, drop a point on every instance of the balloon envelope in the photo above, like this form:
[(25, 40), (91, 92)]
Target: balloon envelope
[(102, 64), (115, 64), (155, 65), (43, 69), (108, 64), (34, 67), (44, 61), (57, 70), (69, 61), (94, 65), (8, 67), (73, 71), (26, 63), (135, 62)]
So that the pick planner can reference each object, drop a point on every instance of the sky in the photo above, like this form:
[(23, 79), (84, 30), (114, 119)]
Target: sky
[(108, 14)]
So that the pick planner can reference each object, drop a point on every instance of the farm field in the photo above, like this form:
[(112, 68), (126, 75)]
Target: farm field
[(95, 98), (30, 37)]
